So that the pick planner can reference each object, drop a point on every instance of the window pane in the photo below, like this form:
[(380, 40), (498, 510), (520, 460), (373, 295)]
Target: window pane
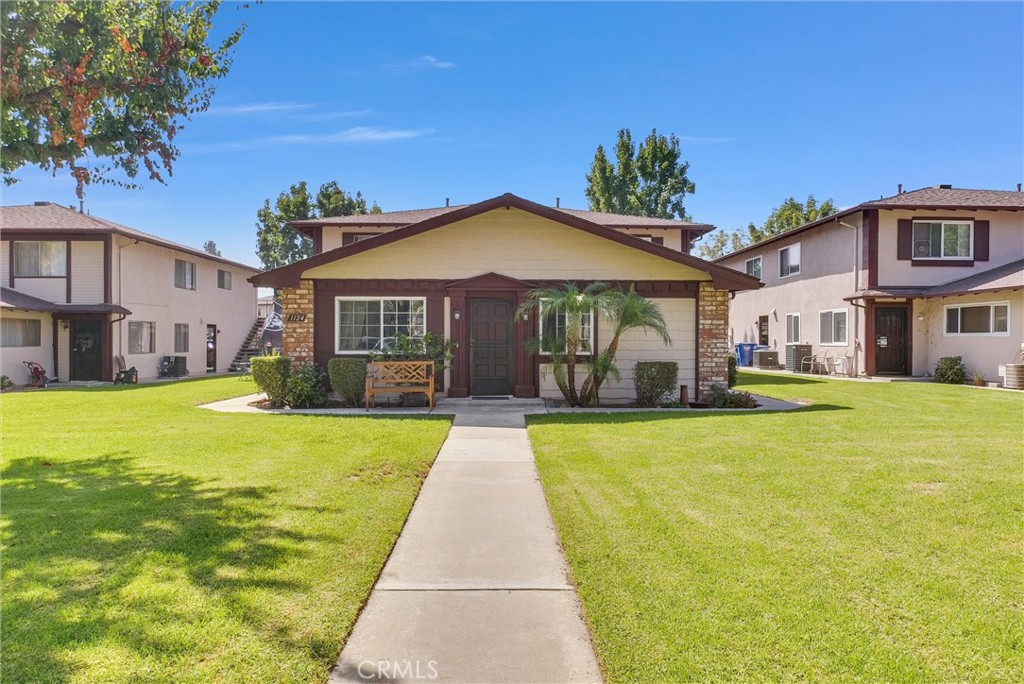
[(18, 332), (181, 337), (826, 328), (1001, 318), (359, 324), (792, 328), (141, 337), (40, 259), (839, 327), (952, 320), (975, 319), (754, 267), (224, 279)]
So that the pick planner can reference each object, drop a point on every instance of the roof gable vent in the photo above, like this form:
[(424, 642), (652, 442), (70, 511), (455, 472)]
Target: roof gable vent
[(945, 187)]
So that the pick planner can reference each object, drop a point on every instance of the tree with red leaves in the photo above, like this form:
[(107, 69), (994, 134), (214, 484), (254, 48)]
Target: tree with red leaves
[(104, 88)]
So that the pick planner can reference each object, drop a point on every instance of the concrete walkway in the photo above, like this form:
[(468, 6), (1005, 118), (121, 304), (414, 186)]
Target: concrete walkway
[(476, 589)]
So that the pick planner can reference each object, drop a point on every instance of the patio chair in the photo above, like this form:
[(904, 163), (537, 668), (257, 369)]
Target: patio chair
[(125, 375)]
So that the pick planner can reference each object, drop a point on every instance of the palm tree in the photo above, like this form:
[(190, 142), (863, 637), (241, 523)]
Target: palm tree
[(626, 311), (573, 304)]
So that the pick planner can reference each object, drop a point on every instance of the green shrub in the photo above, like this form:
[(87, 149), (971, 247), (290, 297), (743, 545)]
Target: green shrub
[(270, 373), (5, 382), (732, 371), (653, 380), (723, 397), (348, 379), (305, 387), (951, 369), (430, 347)]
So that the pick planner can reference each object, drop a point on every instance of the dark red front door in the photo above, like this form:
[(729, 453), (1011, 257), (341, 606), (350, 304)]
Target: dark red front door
[(490, 355), (891, 340)]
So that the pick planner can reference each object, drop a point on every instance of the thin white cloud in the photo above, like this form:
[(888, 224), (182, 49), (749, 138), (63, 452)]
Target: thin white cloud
[(431, 61), (345, 114), (261, 108), (421, 63), (357, 134)]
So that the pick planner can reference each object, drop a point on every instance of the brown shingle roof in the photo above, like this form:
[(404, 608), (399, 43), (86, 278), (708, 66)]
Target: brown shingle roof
[(13, 300), (49, 217), (1006, 277), (940, 197)]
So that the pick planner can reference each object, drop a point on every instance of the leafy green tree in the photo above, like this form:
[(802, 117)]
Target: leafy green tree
[(790, 214), (278, 245), (626, 310), (99, 86), (649, 181), (719, 243)]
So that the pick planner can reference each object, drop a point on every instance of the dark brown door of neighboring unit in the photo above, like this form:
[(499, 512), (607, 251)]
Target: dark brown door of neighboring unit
[(211, 348), (490, 356), (891, 340), (87, 350), (762, 331)]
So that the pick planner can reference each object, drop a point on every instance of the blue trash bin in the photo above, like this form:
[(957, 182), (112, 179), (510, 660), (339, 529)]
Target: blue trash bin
[(745, 354)]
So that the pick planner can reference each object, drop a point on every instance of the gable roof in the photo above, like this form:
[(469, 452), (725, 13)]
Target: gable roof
[(722, 277), (411, 216), (47, 217), (14, 300), (937, 197)]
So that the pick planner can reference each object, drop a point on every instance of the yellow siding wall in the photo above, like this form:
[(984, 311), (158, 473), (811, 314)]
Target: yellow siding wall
[(511, 242), (86, 272)]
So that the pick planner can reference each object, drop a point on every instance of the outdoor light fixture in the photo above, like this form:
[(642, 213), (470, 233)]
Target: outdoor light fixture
[(457, 314), (920, 316), (65, 324)]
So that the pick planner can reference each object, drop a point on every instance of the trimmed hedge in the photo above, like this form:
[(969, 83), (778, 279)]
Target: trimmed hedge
[(951, 370), (653, 380), (270, 373), (348, 379)]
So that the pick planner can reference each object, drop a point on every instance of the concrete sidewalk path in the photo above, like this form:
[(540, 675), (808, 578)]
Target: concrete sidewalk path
[(476, 589)]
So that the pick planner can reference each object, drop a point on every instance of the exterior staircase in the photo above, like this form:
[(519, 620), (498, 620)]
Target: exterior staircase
[(250, 348)]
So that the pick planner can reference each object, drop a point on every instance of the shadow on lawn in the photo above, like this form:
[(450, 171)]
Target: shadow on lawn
[(100, 553), (597, 417)]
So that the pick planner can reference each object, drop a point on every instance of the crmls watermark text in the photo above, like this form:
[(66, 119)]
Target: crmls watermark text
[(397, 669)]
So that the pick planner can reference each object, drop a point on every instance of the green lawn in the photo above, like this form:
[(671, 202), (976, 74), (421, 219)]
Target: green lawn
[(146, 540), (875, 536)]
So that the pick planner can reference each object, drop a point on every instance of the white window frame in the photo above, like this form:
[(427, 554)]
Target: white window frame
[(942, 242), (832, 326), (589, 338), (190, 275), (798, 330), (29, 336), (991, 319), (760, 270), (61, 265), (380, 300), (799, 260), (152, 336), (223, 279)]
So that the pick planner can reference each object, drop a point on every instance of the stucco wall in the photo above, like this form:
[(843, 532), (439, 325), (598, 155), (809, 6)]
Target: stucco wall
[(146, 287), (11, 358), (983, 353), (636, 345), (1006, 244), (513, 242)]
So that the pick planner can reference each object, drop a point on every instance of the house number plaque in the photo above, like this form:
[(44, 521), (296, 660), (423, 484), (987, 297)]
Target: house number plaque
[(296, 318), (883, 341)]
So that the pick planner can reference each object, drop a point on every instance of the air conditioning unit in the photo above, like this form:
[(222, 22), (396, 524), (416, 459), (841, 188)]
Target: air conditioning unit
[(794, 353)]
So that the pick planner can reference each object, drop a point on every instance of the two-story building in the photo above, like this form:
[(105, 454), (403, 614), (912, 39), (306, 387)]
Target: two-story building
[(77, 291), (892, 285)]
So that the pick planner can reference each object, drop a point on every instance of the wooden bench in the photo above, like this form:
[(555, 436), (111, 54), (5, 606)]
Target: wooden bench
[(399, 377)]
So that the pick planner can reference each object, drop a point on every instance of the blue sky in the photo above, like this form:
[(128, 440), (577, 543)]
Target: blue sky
[(412, 103)]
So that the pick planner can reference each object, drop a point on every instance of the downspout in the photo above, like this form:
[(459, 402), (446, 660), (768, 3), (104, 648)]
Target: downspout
[(856, 289), (120, 299)]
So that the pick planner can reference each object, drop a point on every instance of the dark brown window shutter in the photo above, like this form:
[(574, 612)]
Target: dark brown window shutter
[(904, 239), (981, 240)]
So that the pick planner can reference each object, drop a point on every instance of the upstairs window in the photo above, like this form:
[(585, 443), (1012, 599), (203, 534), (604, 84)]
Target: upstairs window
[(943, 239), (352, 238), (753, 267), (223, 279), (184, 274), (552, 332), (40, 259), (789, 261)]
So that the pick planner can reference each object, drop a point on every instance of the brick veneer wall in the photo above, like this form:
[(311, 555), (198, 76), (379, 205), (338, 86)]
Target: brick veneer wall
[(712, 337), (297, 307)]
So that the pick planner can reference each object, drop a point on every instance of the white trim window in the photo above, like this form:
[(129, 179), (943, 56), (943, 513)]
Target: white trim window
[(364, 324), (943, 239), (184, 274), (753, 267), (977, 320), (552, 329), (41, 259), (21, 332), (833, 328), (141, 337), (223, 279), (793, 328), (789, 261)]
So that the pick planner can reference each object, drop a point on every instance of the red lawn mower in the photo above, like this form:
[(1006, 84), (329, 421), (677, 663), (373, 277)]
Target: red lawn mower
[(37, 374)]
